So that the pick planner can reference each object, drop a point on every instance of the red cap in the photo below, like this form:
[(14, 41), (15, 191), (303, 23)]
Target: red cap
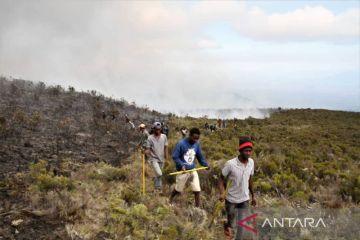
[(246, 144)]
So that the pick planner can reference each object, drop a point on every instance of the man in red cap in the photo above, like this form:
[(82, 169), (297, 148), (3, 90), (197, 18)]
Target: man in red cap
[(239, 172)]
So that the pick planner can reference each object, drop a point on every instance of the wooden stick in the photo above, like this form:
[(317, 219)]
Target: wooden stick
[(143, 173), (191, 170)]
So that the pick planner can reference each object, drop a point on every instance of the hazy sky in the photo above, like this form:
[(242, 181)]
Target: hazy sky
[(184, 55)]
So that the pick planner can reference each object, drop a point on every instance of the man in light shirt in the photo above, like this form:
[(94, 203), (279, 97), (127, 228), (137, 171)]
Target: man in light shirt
[(239, 172), (157, 153)]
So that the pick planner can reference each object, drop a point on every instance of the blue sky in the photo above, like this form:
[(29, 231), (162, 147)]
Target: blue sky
[(318, 69), (191, 54), (335, 6)]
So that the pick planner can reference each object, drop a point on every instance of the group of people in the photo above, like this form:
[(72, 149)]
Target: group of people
[(220, 123), (235, 182)]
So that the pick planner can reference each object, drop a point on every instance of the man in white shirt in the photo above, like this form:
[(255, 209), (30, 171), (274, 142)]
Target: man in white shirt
[(239, 172), (157, 153)]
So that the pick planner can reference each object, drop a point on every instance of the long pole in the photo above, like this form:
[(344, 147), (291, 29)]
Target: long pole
[(191, 170), (139, 153), (143, 173)]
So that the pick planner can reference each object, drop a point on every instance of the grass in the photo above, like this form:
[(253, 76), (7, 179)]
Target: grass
[(301, 156), (299, 150)]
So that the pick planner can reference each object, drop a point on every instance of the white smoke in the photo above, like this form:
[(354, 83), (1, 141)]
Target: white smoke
[(171, 54), (226, 113)]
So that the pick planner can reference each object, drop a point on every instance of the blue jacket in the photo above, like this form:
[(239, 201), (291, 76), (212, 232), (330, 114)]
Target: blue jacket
[(185, 153)]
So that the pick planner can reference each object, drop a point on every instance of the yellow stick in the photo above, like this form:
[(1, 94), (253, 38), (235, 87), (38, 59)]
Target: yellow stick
[(191, 170), (136, 153), (143, 173)]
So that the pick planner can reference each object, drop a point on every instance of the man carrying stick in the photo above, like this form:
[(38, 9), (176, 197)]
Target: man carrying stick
[(184, 156), (239, 171)]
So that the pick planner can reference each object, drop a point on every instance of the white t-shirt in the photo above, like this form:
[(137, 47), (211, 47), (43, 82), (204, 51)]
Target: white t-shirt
[(157, 146), (239, 174)]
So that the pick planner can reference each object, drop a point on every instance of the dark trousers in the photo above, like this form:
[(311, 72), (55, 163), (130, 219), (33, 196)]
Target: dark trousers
[(236, 212)]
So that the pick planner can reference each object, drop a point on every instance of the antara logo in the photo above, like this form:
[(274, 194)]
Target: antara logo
[(281, 222), (253, 220)]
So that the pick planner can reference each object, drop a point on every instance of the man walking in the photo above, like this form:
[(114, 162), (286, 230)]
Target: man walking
[(127, 120), (144, 136), (239, 172), (157, 153), (184, 156), (165, 129)]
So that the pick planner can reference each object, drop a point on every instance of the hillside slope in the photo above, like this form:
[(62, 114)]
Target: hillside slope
[(49, 122), (61, 126), (66, 173)]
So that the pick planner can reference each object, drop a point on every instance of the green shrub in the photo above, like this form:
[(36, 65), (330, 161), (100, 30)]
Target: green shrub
[(35, 120), (130, 195), (38, 168), (45, 181), (170, 233), (288, 183), (269, 168), (139, 212), (20, 117), (263, 186), (351, 187), (105, 172), (299, 195)]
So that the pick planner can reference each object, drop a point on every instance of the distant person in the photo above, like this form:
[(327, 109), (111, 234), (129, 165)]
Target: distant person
[(131, 124), (223, 123), (212, 127), (128, 121), (207, 126), (103, 114), (239, 172), (157, 153), (184, 156), (144, 136), (184, 132), (165, 129), (219, 123)]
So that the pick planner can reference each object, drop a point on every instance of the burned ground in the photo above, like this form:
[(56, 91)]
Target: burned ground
[(48, 122)]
